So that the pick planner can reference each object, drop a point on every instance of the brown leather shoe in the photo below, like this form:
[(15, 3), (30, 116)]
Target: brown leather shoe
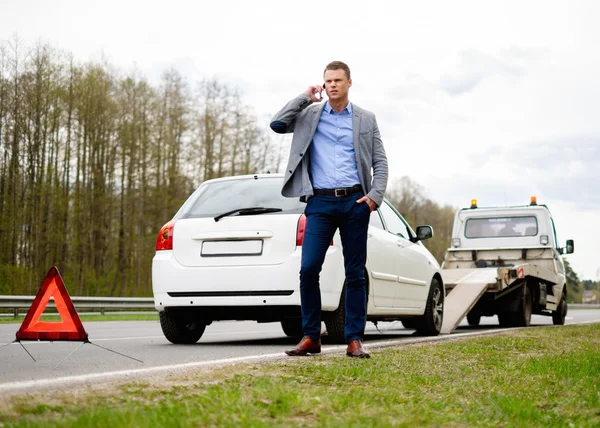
[(356, 350), (306, 346)]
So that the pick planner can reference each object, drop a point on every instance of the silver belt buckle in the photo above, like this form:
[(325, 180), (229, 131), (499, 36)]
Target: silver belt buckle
[(341, 194)]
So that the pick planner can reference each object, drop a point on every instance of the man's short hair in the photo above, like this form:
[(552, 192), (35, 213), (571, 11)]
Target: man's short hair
[(338, 65)]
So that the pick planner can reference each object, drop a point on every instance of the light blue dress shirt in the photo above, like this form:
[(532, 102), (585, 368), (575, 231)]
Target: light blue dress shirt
[(332, 158)]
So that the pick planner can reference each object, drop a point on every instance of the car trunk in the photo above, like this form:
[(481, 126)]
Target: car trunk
[(247, 240)]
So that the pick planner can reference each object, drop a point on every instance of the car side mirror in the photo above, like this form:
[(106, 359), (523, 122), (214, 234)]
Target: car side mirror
[(423, 233), (570, 246)]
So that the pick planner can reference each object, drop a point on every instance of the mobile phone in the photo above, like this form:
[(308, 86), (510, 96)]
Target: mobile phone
[(321, 93)]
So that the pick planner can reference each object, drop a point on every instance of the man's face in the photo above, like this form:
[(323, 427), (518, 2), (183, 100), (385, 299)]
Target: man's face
[(336, 84)]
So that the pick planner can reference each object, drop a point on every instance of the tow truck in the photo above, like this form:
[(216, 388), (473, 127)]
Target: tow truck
[(504, 261)]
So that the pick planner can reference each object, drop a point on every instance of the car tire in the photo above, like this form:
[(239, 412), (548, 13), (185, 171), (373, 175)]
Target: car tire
[(474, 318), (430, 323), (560, 314), (410, 324), (522, 317), (336, 321), (179, 331), (292, 327)]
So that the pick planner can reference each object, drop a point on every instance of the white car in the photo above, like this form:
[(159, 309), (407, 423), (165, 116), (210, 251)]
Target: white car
[(232, 252)]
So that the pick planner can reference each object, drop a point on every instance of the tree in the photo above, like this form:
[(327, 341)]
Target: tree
[(573, 284), (409, 199)]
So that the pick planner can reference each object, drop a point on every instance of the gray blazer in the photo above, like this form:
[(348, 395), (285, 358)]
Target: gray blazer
[(301, 117)]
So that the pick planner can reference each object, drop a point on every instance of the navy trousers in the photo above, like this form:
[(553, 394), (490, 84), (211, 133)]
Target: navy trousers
[(324, 215)]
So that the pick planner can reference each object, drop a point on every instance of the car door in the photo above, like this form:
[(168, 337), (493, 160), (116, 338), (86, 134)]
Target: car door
[(381, 259), (410, 262)]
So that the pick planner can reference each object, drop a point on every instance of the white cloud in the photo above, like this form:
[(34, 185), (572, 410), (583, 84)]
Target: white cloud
[(474, 66)]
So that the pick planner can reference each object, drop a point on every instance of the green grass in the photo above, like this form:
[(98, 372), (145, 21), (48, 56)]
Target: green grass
[(546, 376), (84, 318)]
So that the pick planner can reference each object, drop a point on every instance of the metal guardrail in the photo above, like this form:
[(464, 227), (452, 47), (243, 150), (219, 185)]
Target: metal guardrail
[(583, 306), (127, 303), (81, 302)]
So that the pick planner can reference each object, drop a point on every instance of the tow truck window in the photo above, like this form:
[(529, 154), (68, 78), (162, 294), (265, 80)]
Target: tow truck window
[(501, 227)]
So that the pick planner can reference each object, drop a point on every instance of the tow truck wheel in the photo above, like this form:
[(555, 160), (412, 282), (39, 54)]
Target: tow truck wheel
[(522, 317), (473, 318), (505, 319), (560, 314)]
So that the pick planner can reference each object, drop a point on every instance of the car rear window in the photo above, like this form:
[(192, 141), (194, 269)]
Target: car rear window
[(223, 196), (501, 227)]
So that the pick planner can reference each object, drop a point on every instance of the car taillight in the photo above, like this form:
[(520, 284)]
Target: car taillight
[(164, 241), (300, 231)]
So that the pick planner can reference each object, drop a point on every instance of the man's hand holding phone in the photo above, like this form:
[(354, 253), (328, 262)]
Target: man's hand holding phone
[(315, 93)]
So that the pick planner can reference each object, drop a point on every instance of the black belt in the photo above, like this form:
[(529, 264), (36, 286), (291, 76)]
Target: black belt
[(344, 191)]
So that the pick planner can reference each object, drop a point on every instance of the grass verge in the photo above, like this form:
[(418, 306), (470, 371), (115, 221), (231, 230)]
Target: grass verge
[(532, 377)]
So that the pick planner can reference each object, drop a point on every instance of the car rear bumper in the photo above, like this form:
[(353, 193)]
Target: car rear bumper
[(177, 286)]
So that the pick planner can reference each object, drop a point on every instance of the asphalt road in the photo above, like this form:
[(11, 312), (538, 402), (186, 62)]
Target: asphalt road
[(222, 342)]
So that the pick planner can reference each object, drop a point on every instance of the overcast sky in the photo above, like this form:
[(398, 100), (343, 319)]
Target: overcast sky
[(474, 100)]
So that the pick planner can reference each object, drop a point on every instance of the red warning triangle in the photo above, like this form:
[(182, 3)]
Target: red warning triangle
[(70, 328)]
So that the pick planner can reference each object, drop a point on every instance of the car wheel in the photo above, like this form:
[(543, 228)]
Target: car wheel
[(430, 324), (473, 318), (410, 324), (522, 318), (336, 321), (180, 331), (560, 314), (292, 327)]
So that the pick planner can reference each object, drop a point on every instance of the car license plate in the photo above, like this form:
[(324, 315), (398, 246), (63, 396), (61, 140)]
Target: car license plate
[(251, 247)]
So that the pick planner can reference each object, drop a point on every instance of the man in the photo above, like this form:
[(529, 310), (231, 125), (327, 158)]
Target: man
[(335, 146)]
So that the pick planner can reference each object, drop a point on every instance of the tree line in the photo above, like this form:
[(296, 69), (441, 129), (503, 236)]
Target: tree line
[(94, 161), (577, 286)]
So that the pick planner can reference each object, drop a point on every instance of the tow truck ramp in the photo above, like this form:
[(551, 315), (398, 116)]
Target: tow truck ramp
[(471, 284)]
